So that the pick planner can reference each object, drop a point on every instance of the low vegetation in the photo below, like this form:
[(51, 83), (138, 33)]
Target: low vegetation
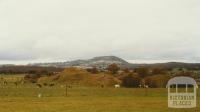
[(24, 98), (155, 77), (91, 90)]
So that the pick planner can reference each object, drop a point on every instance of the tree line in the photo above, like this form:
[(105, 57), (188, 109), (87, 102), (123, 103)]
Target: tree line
[(154, 77)]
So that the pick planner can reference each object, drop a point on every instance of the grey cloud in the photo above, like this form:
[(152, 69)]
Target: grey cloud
[(66, 30)]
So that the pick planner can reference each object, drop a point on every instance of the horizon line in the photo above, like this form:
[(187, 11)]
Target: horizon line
[(136, 61)]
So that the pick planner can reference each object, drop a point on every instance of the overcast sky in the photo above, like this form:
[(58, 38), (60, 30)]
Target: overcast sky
[(135, 30)]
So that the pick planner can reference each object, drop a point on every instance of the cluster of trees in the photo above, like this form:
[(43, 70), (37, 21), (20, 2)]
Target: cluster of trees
[(154, 77), (93, 70), (33, 73), (130, 80), (113, 68), (141, 76), (28, 70), (138, 77)]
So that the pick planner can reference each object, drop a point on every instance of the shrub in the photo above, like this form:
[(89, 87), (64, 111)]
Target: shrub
[(113, 68), (130, 80), (142, 71), (157, 81), (93, 70)]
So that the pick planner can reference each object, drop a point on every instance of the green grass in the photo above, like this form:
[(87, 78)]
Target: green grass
[(84, 99)]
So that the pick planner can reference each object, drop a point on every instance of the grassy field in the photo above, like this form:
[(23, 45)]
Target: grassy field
[(24, 98)]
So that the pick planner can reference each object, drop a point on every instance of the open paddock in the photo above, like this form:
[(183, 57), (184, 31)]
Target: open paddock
[(25, 98)]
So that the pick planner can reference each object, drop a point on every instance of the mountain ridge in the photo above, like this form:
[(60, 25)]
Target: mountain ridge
[(104, 61), (100, 61)]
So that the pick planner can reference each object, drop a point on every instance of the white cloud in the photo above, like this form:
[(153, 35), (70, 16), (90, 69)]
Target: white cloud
[(65, 30)]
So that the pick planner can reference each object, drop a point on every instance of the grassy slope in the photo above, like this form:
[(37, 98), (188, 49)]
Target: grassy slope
[(84, 99), (82, 77)]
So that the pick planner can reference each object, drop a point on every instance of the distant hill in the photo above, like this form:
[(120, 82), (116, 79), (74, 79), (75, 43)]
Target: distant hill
[(100, 62), (103, 61), (171, 65)]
